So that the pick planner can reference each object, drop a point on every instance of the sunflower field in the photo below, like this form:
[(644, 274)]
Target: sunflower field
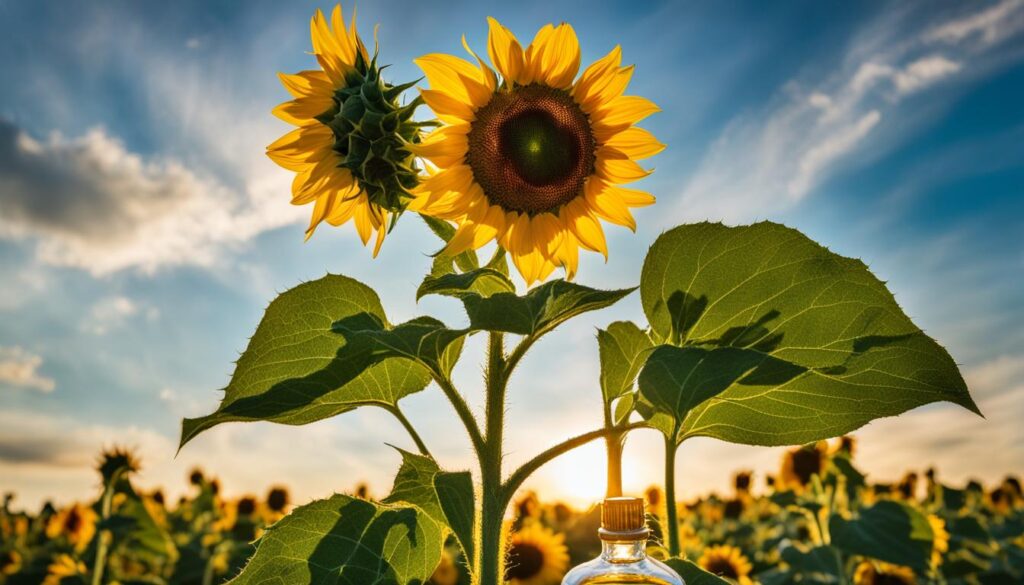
[(752, 334), (818, 520)]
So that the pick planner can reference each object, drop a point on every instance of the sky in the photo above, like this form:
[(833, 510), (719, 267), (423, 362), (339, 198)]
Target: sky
[(143, 230)]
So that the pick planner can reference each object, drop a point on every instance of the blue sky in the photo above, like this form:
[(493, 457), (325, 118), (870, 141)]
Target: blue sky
[(142, 229)]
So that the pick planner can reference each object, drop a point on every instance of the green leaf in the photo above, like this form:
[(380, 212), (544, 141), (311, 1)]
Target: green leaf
[(622, 347), (821, 564), (447, 497), (677, 379), (538, 311), (889, 531), (298, 370), (423, 340), (692, 574), (846, 353), (347, 541), (482, 282), (141, 533)]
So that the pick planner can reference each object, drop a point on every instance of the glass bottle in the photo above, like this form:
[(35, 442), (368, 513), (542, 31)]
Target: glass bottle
[(623, 557)]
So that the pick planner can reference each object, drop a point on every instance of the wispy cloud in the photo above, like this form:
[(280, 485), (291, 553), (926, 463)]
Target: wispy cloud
[(90, 203), (768, 159), (20, 368)]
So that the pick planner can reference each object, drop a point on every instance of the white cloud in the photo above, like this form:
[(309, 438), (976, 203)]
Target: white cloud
[(114, 312), (20, 368), (765, 161), (924, 72), (90, 203), (988, 27), (821, 155)]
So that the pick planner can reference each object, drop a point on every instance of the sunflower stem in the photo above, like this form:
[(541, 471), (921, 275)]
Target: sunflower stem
[(671, 511), (103, 544), (490, 561), (462, 409), (407, 424), (614, 444)]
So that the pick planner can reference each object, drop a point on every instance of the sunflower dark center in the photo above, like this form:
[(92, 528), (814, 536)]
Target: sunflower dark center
[(806, 462), (723, 568), (531, 149), (524, 561)]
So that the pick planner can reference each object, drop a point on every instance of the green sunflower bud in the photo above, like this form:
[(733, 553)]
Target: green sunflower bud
[(371, 130)]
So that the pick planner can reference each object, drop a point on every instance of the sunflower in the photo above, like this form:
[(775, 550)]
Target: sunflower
[(534, 159), (727, 561), (801, 464), (10, 562), (348, 150), (536, 556), (940, 539), (65, 569), (871, 573), (77, 523)]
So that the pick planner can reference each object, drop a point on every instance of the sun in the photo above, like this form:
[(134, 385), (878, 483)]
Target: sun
[(580, 477)]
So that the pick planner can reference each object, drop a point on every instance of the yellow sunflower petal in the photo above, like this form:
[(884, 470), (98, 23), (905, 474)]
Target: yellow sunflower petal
[(445, 147), (347, 40), (607, 84), (605, 202), (504, 51), (455, 77), (307, 84), (636, 143), (447, 107), (364, 221), (321, 208), (325, 47), (482, 225), (523, 250), (304, 110), (595, 76), (490, 79), (576, 215), (553, 57), (568, 254), (345, 204), (622, 112), (302, 147), (381, 232), (616, 168)]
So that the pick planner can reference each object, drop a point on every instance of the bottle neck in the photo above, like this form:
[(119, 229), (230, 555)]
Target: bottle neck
[(623, 551)]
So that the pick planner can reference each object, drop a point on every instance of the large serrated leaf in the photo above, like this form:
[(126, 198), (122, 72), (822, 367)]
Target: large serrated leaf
[(675, 380), (846, 353), (297, 369), (445, 496), (539, 310), (423, 340), (482, 282), (889, 531), (622, 347), (347, 541)]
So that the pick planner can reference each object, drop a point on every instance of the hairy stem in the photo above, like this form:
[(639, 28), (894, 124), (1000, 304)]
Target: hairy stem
[(490, 561), (671, 510), (462, 409), (410, 429)]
